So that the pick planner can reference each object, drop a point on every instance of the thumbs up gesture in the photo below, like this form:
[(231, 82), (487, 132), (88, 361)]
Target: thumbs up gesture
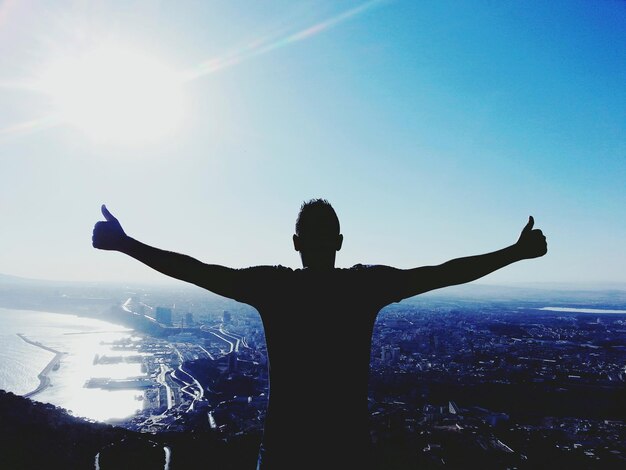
[(532, 242), (109, 234)]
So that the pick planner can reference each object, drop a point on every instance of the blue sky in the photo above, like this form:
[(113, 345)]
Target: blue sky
[(434, 128)]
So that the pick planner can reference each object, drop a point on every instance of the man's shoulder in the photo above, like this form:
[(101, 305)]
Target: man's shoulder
[(374, 272), (268, 268), (371, 268), (263, 270)]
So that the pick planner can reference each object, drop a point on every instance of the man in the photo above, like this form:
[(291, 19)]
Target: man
[(318, 325)]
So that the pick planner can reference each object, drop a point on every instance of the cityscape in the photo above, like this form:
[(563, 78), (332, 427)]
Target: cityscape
[(508, 383)]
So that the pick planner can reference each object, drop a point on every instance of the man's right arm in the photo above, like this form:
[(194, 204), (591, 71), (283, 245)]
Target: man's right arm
[(109, 235)]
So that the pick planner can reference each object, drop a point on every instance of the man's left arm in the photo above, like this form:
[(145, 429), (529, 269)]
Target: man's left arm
[(531, 244)]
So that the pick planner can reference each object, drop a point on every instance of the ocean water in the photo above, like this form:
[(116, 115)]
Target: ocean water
[(81, 339)]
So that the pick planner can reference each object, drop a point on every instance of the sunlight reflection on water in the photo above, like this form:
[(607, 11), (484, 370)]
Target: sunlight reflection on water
[(21, 362)]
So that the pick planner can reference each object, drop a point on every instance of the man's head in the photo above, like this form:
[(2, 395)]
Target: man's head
[(317, 235)]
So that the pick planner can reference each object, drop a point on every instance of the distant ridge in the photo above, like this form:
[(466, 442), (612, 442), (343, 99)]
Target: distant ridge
[(615, 294), (614, 290), (9, 279)]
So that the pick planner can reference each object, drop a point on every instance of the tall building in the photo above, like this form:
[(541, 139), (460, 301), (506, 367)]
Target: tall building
[(226, 317), (385, 353), (164, 315), (395, 354), (188, 319), (232, 362)]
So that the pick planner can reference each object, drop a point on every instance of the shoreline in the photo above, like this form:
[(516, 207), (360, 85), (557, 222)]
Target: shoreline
[(597, 311), (44, 380)]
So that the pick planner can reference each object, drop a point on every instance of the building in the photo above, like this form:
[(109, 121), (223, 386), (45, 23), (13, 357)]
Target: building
[(385, 353), (232, 362), (164, 315), (395, 354)]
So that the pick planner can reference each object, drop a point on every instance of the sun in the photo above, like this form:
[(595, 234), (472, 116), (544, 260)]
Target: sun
[(115, 94)]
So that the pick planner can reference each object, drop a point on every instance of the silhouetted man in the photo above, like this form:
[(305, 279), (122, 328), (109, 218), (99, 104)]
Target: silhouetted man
[(318, 325)]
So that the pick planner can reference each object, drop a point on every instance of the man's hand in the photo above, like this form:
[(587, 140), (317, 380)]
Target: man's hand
[(531, 243), (108, 235)]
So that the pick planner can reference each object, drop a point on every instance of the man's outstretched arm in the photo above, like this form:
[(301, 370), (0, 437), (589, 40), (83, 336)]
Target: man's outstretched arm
[(531, 244), (109, 235)]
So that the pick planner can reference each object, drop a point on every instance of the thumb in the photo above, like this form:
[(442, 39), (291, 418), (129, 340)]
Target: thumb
[(529, 225), (107, 215)]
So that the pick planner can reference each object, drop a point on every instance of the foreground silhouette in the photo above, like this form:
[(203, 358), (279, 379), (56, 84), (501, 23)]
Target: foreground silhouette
[(318, 325)]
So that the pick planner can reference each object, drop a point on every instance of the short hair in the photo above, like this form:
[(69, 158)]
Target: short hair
[(317, 217)]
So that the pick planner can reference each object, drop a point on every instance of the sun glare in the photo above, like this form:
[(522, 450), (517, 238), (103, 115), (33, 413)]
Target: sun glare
[(116, 95)]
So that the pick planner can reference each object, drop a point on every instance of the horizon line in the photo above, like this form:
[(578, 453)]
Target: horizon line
[(592, 285)]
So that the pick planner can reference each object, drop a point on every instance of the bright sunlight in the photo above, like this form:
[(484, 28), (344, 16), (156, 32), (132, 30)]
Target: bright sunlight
[(115, 95)]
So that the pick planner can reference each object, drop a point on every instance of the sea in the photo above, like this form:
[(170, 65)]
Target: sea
[(80, 339)]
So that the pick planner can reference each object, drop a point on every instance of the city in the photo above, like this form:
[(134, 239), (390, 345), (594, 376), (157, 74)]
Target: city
[(506, 383)]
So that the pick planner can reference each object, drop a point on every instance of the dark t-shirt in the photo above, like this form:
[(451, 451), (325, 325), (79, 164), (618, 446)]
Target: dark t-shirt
[(318, 327)]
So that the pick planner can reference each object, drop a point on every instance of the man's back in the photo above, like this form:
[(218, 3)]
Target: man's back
[(318, 327)]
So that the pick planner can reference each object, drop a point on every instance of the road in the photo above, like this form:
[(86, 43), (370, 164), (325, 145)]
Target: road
[(162, 379), (193, 388), (126, 306), (234, 341)]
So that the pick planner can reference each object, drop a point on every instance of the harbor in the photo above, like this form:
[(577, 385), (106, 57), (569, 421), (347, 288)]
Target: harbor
[(133, 383)]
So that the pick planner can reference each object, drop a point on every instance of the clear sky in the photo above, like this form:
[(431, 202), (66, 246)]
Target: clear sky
[(434, 128)]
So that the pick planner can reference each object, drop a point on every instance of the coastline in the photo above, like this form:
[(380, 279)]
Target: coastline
[(30, 366), (583, 310), (44, 380)]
